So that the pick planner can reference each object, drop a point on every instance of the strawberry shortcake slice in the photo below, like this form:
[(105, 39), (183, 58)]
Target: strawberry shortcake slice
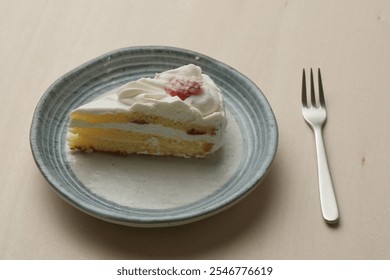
[(179, 112)]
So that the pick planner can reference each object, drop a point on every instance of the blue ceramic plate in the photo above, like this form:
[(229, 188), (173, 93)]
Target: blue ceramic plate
[(150, 191)]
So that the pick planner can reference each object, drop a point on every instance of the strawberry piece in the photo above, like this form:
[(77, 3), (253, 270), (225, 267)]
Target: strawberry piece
[(184, 87)]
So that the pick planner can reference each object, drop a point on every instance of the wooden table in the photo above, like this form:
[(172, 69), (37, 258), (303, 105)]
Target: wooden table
[(268, 41)]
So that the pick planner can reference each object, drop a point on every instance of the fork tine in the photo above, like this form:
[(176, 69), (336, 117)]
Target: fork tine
[(312, 91), (304, 100), (321, 90)]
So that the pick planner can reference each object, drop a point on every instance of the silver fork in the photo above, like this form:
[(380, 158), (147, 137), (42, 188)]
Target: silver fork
[(315, 116)]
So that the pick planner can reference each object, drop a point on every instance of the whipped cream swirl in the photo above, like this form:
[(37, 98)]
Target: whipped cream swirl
[(153, 90)]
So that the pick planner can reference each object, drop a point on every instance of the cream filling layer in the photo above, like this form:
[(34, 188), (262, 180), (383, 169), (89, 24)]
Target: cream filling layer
[(155, 129)]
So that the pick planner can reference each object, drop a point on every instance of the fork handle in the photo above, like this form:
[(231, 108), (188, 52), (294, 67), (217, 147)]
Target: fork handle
[(327, 195)]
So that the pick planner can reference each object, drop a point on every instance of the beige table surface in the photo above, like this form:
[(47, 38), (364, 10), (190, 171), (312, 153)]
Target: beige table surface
[(268, 41)]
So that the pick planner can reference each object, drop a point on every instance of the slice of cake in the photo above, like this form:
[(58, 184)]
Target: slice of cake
[(179, 112)]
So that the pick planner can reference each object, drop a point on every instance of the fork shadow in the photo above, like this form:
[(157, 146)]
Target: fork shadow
[(197, 240)]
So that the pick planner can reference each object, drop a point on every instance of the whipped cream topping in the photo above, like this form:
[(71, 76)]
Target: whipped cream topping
[(149, 96), (153, 90)]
